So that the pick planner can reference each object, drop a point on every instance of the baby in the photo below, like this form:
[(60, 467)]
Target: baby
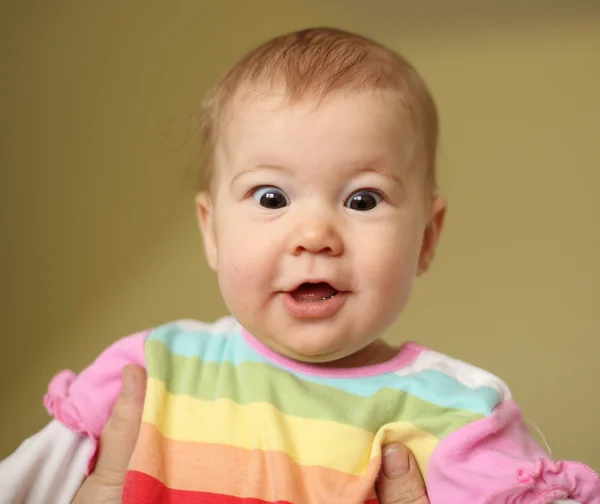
[(318, 208)]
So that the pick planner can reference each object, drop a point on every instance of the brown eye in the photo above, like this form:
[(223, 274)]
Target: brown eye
[(363, 201), (270, 197)]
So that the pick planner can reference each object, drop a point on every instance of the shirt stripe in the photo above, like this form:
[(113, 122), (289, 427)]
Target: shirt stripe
[(226, 468), (262, 426), (253, 382), (427, 384)]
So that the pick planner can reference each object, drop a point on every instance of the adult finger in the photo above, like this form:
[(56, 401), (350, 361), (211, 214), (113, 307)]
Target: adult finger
[(400, 481), (105, 484), (121, 431)]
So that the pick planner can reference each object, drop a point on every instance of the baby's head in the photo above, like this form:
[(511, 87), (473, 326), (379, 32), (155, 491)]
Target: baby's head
[(317, 202)]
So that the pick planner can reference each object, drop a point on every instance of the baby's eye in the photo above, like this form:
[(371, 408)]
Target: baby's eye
[(363, 200), (270, 197)]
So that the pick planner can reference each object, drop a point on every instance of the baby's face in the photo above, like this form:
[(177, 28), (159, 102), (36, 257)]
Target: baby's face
[(317, 226)]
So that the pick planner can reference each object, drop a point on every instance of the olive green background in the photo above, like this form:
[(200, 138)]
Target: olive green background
[(98, 231)]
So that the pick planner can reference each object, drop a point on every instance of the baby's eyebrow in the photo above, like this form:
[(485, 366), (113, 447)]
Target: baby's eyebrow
[(281, 168), (379, 171), (251, 169)]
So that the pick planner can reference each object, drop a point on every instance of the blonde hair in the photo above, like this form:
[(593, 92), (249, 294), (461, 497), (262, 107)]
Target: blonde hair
[(315, 63)]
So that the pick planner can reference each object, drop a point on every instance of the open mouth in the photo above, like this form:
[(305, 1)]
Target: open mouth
[(313, 292), (314, 300)]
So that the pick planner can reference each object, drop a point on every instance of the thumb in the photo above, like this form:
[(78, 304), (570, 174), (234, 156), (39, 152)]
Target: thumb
[(400, 481), (121, 431)]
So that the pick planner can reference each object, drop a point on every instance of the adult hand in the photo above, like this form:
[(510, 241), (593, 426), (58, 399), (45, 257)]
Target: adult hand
[(399, 483), (105, 484)]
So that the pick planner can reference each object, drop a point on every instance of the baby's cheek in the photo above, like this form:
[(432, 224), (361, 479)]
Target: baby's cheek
[(242, 269), (392, 273), (393, 260), (232, 270)]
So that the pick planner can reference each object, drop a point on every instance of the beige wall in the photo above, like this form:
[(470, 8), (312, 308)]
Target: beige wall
[(99, 237)]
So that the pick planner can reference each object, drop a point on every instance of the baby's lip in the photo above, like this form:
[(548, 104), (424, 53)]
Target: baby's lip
[(335, 285)]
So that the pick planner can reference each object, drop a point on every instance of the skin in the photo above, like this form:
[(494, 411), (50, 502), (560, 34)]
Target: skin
[(316, 158), (399, 481)]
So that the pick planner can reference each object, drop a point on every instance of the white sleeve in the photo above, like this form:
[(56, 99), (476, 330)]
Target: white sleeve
[(49, 467)]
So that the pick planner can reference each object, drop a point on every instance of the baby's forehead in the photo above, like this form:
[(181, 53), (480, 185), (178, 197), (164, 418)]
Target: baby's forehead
[(342, 129), (254, 110), (341, 132)]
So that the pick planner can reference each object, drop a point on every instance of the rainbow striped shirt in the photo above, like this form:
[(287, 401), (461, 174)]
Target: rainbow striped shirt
[(227, 420)]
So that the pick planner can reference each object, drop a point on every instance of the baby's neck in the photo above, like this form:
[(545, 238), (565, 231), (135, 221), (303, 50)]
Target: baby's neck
[(377, 352)]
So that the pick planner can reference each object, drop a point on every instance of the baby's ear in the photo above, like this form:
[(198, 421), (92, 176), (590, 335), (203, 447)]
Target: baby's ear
[(206, 222), (432, 232)]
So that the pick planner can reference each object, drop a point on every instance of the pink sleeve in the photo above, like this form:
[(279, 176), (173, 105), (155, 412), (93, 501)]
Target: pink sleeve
[(495, 461), (84, 402)]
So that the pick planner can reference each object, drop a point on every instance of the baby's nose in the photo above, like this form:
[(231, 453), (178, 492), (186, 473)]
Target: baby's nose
[(317, 236)]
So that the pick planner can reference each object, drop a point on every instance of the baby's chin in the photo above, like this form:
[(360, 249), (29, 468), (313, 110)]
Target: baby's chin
[(331, 357), (317, 344), (326, 359), (319, 355)]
